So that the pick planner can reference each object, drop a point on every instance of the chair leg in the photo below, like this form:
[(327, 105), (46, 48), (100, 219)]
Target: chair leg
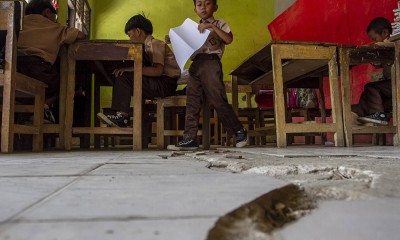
[(216, 130), (322, 108), (37, 143), (97, 138), (258, 125), (206, 125), (160, 124), (222, 135), (7, 123)]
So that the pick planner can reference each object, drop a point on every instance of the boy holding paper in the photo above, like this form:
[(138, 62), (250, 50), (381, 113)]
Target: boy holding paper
[(206, 79)]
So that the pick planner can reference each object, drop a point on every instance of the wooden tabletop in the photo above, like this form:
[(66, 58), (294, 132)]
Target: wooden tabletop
[(257, 69), (102, 50), (258, 65)]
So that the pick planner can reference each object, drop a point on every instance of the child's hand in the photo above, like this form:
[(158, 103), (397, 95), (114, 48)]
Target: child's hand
[(118, 72), (167, 39), (204, 26)]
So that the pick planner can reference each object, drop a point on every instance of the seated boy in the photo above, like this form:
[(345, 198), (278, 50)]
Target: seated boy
[(159, 79), (38, 45), (206, 78), (371, 107)]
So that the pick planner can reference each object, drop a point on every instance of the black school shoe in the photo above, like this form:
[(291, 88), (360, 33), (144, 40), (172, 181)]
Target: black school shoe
[(241, 138), (187, 144), (48, 117), (380, 118), (114, 120)]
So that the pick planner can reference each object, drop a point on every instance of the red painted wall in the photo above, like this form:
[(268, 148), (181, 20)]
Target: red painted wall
[(335, 21), (338, 21)]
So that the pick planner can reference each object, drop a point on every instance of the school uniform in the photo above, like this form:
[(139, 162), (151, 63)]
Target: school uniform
[(206, 80), (38, 45), (377, 96), (157, 52)]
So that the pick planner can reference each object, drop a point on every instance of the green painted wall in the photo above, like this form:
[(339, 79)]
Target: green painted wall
[(62, 12), (247, 19)]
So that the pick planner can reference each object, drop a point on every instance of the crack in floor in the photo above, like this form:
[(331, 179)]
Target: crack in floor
[(311, 184)]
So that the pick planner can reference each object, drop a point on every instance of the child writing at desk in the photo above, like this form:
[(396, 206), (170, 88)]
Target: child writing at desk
[(38, 46), (206, 78), (160, 75), (371, 107)]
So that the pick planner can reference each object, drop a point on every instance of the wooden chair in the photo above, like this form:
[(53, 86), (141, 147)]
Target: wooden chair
[(260, 122), (14, 85), (248, 116), (164, 122)]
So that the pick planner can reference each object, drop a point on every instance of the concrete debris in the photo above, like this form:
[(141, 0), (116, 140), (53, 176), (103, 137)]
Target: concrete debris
[(234, 156)]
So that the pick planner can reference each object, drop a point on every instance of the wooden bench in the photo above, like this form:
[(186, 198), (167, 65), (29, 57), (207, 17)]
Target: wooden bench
[(15, 84), (180, 102)]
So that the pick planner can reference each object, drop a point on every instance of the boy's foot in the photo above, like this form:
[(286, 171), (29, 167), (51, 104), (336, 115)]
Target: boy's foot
[(114, 120), (187, 144), (241, 138), (48, 117), (380, 118)]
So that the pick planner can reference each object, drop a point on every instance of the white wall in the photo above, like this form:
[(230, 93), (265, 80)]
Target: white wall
[(282, 5)]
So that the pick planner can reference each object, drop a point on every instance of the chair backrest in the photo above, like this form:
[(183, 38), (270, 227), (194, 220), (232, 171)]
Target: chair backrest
[(11, 13)]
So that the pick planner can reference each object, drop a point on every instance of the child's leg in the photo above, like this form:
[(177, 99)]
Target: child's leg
[(194, 100), (122, 93), (152, 88), (214, 89), (40, 70), (372, 99)]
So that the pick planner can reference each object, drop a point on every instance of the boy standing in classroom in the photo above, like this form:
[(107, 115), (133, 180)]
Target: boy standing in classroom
[(371, 107), (160, 75), (206, 79), (38, 45)]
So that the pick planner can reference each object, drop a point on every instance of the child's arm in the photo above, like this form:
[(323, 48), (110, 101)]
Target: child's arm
[(154, 71), (81, 36), (226, 37)]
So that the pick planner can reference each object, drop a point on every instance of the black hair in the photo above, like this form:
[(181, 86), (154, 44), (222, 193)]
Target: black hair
[(38, 6), (379, 24), (139, 21), (215, 2)]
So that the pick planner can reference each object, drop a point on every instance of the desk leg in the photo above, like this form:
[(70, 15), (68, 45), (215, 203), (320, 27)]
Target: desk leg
[(396, 94), (69, 109), (279, 98), (335, 100), (137, 54), (346, 95)]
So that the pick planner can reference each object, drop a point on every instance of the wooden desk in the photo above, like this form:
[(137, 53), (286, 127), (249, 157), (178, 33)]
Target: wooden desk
[(280, 63), (396, 89), (104, 50), (351, 56)]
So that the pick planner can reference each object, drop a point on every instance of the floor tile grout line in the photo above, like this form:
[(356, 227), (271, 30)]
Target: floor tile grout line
[(41, 201), (113, 219)]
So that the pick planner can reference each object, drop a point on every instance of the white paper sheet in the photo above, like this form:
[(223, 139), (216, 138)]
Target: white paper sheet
[(185, 40)]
